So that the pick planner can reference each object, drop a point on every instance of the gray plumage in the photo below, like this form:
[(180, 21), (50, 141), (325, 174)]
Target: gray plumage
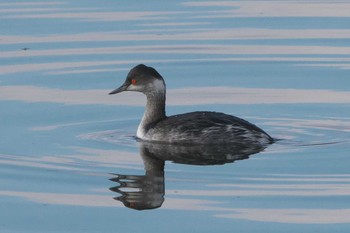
[(188, 128)]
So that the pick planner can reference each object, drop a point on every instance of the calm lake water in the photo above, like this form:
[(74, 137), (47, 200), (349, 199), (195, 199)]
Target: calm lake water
[(68, 157)]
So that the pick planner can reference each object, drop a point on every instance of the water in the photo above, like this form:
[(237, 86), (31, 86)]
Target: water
[(67, 147)]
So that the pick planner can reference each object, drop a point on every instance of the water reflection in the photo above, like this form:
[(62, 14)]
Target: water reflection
[(142, 192), (147, 191)]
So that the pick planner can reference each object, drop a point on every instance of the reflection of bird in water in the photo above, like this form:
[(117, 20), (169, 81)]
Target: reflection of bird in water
[(193, 127), (199, 154), (147, 191)]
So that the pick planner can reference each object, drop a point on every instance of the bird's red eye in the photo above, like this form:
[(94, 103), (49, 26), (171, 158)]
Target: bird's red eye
[(133, 81)]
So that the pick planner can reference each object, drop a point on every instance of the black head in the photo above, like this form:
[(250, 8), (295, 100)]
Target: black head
[(142, 78)]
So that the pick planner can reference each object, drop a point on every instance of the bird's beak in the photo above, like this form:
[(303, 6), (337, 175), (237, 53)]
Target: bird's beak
[(119, 89)]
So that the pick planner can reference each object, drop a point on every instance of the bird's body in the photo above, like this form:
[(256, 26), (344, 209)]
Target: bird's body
[(204, 128), (189, 128)]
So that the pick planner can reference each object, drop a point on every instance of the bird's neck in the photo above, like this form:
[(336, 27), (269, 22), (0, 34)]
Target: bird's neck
[(154, 112)]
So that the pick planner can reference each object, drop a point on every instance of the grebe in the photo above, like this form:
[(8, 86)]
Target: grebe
[(190, 128)]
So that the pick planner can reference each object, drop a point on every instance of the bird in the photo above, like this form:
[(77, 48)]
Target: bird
[(199, 127)]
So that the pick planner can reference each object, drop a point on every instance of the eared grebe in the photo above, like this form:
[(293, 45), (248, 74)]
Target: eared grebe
[(188, 128)]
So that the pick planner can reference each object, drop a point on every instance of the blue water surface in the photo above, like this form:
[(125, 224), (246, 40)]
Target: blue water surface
[(280, 64)]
